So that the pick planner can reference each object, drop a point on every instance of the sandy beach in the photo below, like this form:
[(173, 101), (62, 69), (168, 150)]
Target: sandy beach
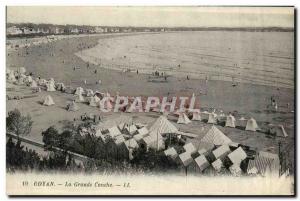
[(58, 60)]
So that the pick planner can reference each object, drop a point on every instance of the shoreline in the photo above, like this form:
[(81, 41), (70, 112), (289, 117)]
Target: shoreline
[(90, 56)]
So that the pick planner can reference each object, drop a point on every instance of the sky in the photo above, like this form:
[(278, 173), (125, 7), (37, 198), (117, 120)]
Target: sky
[(155, 16)]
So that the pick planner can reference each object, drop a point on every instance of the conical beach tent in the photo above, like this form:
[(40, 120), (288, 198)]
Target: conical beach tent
[(230, 121), (94, 102), (52, 80), (277, 130), (60, 86), (251, 125), (79, 90), (29, 79), (33, 84), (50, 86), (89, 93), (80, 99), (216, 137), (183, 119), (72, 107), (42, 82), (196, 116), (20, 81), (212, 118), (106, 103), (48, 101), (241, 122), (162, 126), (11, 76)]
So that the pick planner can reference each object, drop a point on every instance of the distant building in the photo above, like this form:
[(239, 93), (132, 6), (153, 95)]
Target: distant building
[(28, 30), (13, 30), (43, 30), (127, 30), (114, 30), (56, 30), (74, 30), (99, 30)]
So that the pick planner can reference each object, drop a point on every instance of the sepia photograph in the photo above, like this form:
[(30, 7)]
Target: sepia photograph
[(156, 101)]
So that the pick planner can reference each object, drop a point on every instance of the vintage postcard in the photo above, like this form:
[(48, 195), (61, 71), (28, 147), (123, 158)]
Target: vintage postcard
[(150, 101)]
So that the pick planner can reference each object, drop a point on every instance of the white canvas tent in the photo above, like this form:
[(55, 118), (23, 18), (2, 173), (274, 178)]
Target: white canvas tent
[(42, 82), (185, 158), (131, 129), (202, 162), (277, 130), (251, 125), (241, 122), (89, 93), (79, 90), (60, 86), (51, 80), (72, 106), (196, 116), (237, 156), (111, 122), (162, 126), (143, 131), (94, 102), (221, 151), (138, 137), (183, 119), (106, 103), (212, 118), (11, 76), (20, 81), (48, 101), (80, 99), (154, 142), (205, 115), (171, 152), (33, 84), (189, 147), (28, 79), (230, 121), (216, 137), (50, 86), (114, 131), (119, 139)]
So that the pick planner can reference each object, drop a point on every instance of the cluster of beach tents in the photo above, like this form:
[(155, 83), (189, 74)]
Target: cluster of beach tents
[(92, 98), (230, 121), (18, 77), (210, 154), (213, 118), (215, 153)]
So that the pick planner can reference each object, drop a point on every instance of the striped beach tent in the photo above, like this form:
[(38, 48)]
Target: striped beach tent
[(263, 163), (216, 137), (162, 126)]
